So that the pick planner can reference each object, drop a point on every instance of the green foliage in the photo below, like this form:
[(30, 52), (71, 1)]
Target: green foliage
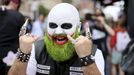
[(43, 10), (67, 1)]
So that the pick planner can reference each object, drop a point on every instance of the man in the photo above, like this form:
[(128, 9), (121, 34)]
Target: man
[(38, 28), (10, 24), (64, 51)]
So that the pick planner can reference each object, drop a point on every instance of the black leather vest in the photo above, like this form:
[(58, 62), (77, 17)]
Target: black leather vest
[(47, 66)]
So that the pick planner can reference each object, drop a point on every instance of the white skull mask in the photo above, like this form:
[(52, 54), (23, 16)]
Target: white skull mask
[(63, 19)]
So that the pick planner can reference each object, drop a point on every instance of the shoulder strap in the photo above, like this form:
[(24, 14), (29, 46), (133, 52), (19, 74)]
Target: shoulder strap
[(94, 49), (39, 45), (131, 48)]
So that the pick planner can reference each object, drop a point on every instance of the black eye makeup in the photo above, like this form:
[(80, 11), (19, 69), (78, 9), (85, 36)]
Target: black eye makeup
[(66, 25), (53, 25)]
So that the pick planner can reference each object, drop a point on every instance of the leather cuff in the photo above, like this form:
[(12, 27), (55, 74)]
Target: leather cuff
[(87, 60), (90, 59), (23, 57)]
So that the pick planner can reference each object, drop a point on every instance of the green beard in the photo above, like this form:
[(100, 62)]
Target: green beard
[(60, 53)]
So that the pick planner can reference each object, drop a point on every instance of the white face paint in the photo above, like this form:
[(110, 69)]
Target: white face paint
[(63, 19)]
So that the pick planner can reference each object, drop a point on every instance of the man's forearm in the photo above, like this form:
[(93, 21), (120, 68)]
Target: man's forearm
[(18, 68), (91, 70)]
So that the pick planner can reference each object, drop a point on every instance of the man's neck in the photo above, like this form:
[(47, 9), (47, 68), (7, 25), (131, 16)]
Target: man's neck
[(11, 7)]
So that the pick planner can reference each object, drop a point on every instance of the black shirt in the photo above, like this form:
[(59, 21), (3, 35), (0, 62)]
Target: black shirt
[(10, 24)]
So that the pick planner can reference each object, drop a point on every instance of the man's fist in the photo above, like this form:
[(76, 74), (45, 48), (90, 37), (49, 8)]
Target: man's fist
[(26, 42)]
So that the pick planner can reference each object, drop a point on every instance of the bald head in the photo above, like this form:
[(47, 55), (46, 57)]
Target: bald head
[(65, 17), (64, 12)]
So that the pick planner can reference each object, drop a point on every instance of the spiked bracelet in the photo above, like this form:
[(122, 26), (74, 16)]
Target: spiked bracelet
[(87, 60), (90, 59), (23, 57)]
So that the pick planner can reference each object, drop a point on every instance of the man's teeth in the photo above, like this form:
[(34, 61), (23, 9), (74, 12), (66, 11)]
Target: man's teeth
[(60, 39)]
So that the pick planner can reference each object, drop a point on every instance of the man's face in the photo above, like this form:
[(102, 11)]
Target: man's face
[(58, 45), (63, 20), (42, 18), (60, 49), (58, 32)]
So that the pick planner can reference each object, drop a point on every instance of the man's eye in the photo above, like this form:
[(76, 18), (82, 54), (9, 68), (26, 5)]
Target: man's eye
[(66, 26), (53, 25)]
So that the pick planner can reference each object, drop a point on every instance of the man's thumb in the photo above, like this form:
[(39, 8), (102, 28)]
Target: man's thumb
[(71, 39)]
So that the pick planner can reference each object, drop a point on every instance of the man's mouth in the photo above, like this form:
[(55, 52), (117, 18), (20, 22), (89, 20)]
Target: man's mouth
[(60, 40)]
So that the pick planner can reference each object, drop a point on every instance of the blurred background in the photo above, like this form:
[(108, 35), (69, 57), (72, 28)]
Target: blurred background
[(32, 8)]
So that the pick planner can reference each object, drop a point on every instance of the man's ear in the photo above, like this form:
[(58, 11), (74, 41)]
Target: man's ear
[(79, 27)]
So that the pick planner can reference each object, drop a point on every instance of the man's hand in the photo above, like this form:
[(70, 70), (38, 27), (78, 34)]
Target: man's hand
[(83, 45), (19, 67), (26, 42), (101, 19)]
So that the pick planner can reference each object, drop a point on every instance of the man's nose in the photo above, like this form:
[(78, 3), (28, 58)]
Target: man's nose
[(59, 30)]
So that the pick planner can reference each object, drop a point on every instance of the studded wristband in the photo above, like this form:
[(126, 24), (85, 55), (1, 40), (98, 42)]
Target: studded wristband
[(87, 60), (90, 59), (23, 57)]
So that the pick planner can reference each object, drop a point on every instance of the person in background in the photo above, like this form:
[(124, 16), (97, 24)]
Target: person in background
[(38, 28), (10, 23), (118, 44), (100, 32)]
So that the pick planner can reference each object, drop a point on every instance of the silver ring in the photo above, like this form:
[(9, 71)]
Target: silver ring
[(28, 34), (89, 37), (74, 41)]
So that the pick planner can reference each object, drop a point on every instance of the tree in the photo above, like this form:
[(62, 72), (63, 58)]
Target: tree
[(43, 10)]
